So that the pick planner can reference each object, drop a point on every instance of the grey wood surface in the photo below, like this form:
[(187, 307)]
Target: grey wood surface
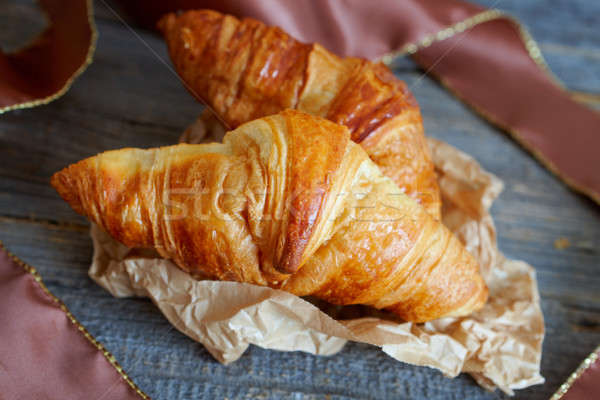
[(130, 97)]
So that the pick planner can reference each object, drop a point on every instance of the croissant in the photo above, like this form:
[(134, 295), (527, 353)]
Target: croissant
[(287, 201), (244, 70)]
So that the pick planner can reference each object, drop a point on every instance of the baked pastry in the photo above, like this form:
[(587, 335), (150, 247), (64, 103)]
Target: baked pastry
[(287, 201), (245, 70)]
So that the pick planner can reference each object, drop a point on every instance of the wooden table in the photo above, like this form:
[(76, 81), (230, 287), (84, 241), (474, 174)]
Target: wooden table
[(129, 97)]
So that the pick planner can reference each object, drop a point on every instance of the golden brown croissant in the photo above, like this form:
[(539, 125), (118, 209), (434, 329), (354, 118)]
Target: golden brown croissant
[(287, 201), (245, 70)]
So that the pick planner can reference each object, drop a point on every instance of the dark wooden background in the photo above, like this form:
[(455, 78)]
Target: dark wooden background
[(130, 97)]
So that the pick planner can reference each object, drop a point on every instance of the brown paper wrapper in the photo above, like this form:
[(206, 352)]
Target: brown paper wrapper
[(500, 345)]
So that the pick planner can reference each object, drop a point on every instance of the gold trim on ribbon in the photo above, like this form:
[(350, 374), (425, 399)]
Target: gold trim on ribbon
[(88, 60), (446, 33), (111, 359), (534, 52), (564, 388), (529, 42)]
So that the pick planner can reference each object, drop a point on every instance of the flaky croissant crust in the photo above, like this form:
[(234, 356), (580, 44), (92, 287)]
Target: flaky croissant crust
[(287, 201), (246, 70)]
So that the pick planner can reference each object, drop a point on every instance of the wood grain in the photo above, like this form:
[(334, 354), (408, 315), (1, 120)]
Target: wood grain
[(129, 97)]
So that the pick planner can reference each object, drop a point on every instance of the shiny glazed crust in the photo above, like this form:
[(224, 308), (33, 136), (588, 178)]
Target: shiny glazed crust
[(246, 70), (287, 201)]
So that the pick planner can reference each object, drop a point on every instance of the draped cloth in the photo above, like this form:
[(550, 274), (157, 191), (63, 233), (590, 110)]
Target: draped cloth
[(45, 69), (45, 353)]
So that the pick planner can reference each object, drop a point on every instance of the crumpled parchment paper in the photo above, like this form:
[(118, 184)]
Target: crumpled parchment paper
[(500, 345)]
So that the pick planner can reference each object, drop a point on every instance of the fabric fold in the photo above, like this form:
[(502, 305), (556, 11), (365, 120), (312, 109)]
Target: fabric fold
[(45, 69), (42, 341)]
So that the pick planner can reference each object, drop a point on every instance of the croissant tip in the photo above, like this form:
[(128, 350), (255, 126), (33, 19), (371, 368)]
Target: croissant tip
[(62, 181), (483, 297), (476, 302), (166, 22), (57, 181)]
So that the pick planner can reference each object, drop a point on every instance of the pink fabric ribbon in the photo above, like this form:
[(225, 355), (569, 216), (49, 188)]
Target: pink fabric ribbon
[(43, 353)]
